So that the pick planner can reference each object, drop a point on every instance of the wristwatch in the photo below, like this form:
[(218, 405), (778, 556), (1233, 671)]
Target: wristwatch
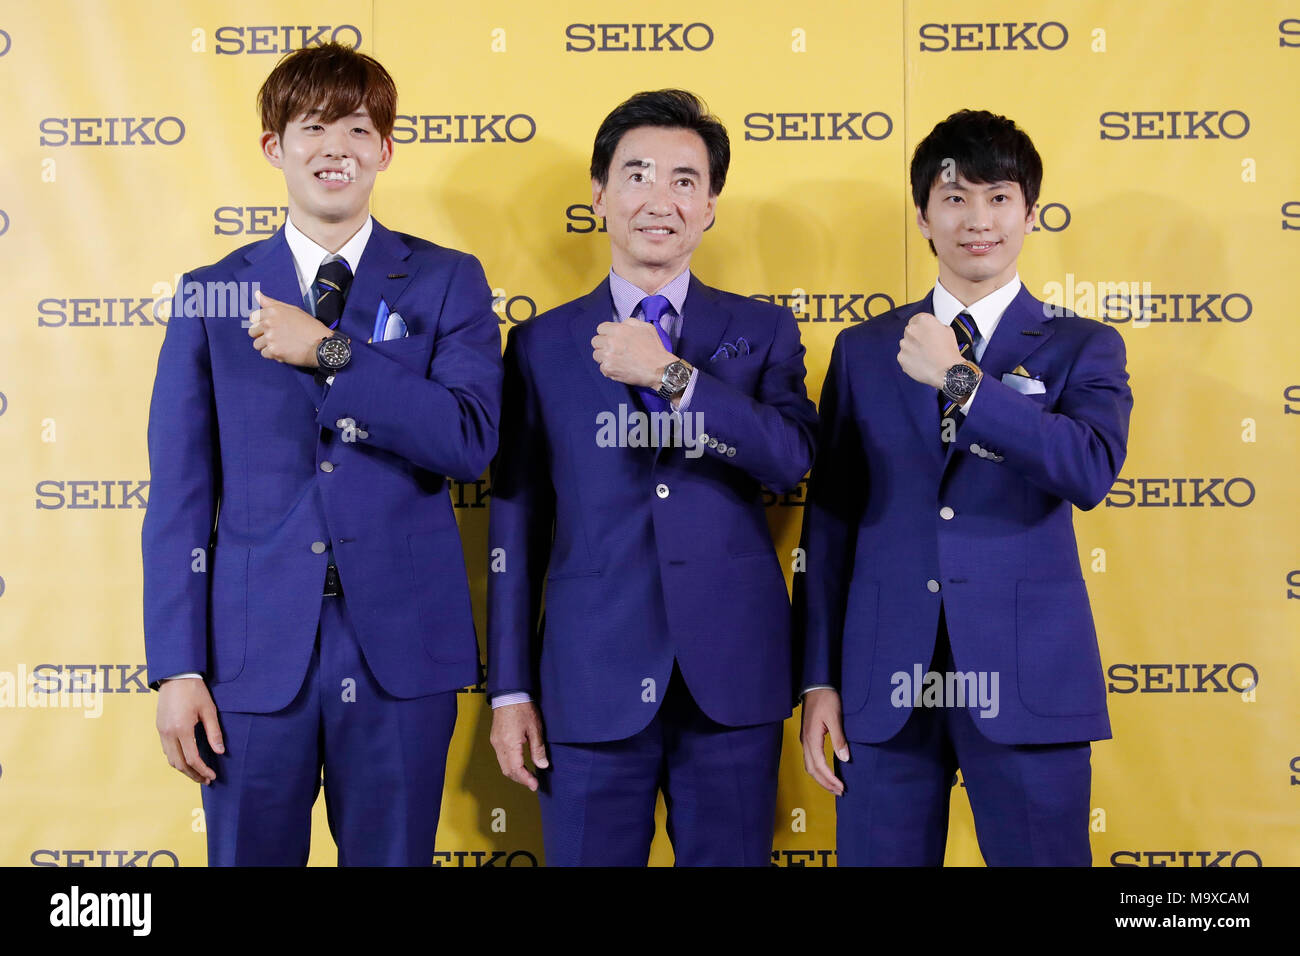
[(960, 381), (675, 379), (333, 353)]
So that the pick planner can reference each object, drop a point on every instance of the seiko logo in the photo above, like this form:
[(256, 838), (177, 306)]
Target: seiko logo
[(1288, 33), (464, 128), (1180, 493), (1295, 771), (1181, 678), (102, 678), (1291, 215), (763, 127), (5, 42), (104, 858), (1185, 858), (1175, 124), (97, 312), (476, 858), (1174, 307), (1293, 586), (470, 494), (248, 220), (802, 857), (831, 306), (942, 37), (580, 217), (1292, 395), (637, 37), (231, 41), (791, 499), (4, 222), (111, 131), (50, 495)]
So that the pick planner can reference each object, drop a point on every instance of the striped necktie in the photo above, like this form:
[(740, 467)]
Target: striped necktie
[(653, 308), (968, 335), (333, 280)]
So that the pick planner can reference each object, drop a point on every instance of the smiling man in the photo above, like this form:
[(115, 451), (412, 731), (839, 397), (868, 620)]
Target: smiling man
[(664, 659), (304, 587), (944, 619)]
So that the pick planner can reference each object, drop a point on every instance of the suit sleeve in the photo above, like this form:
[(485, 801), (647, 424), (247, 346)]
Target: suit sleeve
[(837, 496), (772, 431), (1075, 452), (520, 530), (445, 422), (184, 484)]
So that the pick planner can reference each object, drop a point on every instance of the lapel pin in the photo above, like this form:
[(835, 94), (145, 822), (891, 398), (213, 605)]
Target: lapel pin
[(397, 275), (1031, 331)]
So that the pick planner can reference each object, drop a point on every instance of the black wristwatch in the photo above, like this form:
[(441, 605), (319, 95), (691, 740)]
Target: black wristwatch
[(675, 379), (333, 353), (960, 381)]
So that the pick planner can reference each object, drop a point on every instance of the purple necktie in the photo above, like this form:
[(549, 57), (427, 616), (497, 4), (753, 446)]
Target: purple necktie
[(652, 310)]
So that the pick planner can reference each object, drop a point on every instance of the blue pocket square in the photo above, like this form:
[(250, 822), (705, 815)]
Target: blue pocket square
[(731, 350), (388, 325), (1024, 384)]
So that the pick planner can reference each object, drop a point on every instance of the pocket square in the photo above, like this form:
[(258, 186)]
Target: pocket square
[(388, 325), (1024, 384), (731, 349)]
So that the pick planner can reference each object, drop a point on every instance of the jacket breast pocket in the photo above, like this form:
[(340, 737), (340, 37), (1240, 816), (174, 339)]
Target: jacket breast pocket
[(1056, 649)]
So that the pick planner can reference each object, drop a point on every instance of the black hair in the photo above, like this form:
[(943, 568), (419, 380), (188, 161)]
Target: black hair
[(668, 108)]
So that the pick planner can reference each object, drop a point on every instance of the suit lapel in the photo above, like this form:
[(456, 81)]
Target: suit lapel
[(270, 266), (921, 400), (1021, 331), (589, 312), (704, 322), (381, 273)]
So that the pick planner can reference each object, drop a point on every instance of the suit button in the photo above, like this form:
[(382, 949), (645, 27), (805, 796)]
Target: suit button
[(318, 547), (704, 437), (722, 448), (946, 513), (932, 586), (713, 442), (985, 453), (661, 490), (975, 449), (731, 452), (327, 466)]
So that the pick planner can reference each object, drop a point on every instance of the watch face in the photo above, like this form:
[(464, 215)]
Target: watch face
[(677, 376), (333, 353), (960, 381)]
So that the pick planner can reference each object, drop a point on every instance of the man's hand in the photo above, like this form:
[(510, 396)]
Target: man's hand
[(928, 350), (631, 352), (182, 703), (285, 332), (821, 716), (517, 727)]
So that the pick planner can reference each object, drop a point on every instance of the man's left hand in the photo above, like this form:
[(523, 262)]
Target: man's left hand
[(285, 332), (630, 352), (928, 350)]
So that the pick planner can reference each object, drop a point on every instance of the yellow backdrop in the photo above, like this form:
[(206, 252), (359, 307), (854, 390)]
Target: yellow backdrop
[(1170, 205)]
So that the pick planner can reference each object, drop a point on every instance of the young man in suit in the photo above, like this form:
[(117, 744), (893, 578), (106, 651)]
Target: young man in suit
[(664, 661), (305, 591), (944, 618)]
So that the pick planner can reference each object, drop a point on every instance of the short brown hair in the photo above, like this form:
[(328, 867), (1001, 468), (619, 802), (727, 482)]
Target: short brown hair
[(332, 78)]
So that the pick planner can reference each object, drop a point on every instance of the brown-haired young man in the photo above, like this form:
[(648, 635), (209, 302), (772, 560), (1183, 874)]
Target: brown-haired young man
[(302, 565)]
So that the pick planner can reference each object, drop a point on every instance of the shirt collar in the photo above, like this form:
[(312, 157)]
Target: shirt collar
[(628, 296), (986, 312), (308, 256)]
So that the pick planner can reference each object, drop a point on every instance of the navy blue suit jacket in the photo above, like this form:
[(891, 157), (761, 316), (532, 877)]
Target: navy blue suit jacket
[(236, 447), (643, 554), (1005, 562)]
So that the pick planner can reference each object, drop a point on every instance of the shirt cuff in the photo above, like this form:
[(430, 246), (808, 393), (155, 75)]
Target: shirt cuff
[(965, 409), (682, 405), (505, 700), (814, 687), (180, 677)]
